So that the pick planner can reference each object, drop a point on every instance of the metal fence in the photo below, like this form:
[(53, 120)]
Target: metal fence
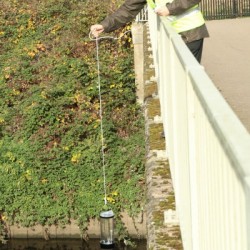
[(214, 9), (221, 9)]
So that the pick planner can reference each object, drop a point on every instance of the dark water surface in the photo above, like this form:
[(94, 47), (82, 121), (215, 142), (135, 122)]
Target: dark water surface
[(65, 244)]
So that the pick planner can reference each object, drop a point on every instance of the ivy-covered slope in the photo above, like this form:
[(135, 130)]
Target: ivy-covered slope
[(50, 143)]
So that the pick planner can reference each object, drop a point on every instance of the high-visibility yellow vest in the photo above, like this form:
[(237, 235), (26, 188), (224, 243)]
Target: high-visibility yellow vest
[(190, 19), (151, 4)]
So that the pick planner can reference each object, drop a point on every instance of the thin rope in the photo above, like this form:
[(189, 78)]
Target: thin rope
[(97, 39), (101, 118)]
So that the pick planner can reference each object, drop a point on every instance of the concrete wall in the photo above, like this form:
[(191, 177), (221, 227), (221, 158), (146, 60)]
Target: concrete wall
[(135, 228)]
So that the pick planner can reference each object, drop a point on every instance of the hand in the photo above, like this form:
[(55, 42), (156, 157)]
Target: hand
[(162, 11), (96, 29)]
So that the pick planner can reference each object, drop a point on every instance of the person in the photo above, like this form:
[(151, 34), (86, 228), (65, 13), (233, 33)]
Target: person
[(184, 15)]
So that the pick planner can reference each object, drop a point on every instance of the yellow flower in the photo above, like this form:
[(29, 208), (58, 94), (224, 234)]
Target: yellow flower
[(11, 156), (114, 193), (56, 28), (30, 24), (28, 175), (66, 148), (78, 98), (4, 218), (110, 199), (44, 181), (40, 47), (76, 157), (16, 92), (7, 76), (44, 95), (2, 120), (31, 54)]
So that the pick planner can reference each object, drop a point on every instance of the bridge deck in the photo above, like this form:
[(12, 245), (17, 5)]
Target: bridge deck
[(226, 58)]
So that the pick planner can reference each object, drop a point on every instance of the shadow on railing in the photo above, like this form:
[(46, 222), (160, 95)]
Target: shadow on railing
[(207, 146)]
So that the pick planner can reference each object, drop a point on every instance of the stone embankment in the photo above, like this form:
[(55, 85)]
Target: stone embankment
[(163, 230)]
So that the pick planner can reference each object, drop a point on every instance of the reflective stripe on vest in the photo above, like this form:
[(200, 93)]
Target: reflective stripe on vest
[(190, 19)]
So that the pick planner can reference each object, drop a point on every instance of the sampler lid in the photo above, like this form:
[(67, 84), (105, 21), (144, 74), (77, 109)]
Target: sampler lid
[(107, 214)]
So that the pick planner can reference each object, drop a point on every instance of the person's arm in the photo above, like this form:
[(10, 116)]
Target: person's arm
[(177, 7), (126, 13)]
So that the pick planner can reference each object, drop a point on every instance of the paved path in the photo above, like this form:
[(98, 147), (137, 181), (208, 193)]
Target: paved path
[(226, 59)]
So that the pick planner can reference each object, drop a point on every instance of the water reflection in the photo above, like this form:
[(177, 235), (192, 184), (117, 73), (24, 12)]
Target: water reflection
[(65, 244)]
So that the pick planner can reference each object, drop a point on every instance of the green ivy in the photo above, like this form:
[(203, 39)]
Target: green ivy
[(50, 142)]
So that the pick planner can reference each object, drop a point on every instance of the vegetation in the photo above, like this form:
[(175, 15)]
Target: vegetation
[(50, 142)]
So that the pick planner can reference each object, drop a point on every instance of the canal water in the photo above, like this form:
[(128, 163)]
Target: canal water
[(66, 244)]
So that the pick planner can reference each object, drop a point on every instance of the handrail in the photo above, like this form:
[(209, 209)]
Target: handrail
[(207, 146)]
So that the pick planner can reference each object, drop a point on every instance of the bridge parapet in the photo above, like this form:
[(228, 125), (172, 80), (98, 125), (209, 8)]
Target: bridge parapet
[(207, 147)]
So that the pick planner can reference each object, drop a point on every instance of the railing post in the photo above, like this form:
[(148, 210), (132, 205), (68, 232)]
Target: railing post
[(247, 191), (235, 10), (137, 33)]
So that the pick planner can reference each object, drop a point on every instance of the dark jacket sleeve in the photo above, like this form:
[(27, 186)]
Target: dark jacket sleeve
[(177, 7), (126, 13)]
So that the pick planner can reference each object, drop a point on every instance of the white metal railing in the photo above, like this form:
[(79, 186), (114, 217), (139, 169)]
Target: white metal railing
[(208, 148), (142, 15)]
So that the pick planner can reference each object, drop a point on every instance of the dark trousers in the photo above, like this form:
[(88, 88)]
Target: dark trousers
[(196, 48)]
